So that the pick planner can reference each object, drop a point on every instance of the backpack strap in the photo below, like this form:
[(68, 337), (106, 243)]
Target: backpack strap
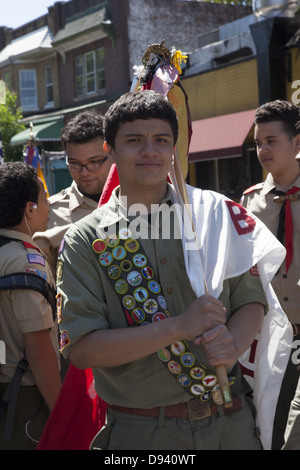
[(30, 281), (18, 281)]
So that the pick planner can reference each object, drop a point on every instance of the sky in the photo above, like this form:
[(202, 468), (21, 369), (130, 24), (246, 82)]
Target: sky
[(15, 13)]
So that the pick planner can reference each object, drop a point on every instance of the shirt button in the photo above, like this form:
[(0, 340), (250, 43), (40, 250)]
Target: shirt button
[(284, 276), (163, 260), (170, 290), (285, 299)]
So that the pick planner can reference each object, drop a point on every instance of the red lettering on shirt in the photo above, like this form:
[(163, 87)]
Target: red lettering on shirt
[(242, 221)]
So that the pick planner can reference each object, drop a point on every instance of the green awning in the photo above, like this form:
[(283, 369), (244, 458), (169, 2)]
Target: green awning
[(48, 130)]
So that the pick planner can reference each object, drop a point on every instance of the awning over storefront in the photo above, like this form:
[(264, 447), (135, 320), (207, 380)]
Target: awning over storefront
[(221, 136), (46, 130)]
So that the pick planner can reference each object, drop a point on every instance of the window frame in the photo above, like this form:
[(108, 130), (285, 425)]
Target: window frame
[(34, 102)]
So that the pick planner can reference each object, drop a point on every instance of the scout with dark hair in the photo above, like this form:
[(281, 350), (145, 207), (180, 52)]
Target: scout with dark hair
[(276, 201), (159, 379), (30, 378)]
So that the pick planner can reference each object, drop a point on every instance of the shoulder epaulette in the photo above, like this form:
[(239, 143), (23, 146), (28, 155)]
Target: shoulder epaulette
[(253, 188), (58, 197)]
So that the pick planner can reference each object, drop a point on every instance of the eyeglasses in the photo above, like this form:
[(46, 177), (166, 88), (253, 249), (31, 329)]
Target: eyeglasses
[(92, 166)]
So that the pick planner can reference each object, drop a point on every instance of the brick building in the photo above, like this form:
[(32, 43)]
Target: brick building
[(80, 55)]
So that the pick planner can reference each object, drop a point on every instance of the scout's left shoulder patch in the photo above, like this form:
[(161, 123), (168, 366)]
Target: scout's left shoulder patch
[(36, 259), (38, 272)]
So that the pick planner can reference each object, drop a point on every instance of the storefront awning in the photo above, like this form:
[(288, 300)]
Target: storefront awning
[(221, 136), (47, 130)]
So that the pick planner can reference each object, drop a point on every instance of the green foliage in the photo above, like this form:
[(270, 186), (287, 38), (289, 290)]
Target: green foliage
[(9, 125)]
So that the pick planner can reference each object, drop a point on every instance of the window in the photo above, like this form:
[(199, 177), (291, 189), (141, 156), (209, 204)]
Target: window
[(49, 86), (28, 91), (90, 73)]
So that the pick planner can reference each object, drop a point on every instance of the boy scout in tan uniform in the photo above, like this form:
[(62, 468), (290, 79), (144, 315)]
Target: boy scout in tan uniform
[(276, 201), (27, 324), (88, 165)]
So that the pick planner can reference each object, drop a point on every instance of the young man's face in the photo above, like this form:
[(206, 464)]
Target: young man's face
[(89, 182), (276, 150), (143, 153)]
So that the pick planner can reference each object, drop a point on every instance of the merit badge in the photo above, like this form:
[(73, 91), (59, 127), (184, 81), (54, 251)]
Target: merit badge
[(138, 315), (197, 389), (162, 302), (147, 272), (154, 287), (210, 380), (105, 259), (121, 286), (141, 294), (114, 272), (126, 265), (139, 260), (206, 395), (184, 380), (150, 306), (119, 252), (112, 240), (187, 359), (197, 373), (158, 316), (134, 278), (125, 233), (129, 302), (174, 367), (178, 348), (99, 246), (164, 355), (131, 245)]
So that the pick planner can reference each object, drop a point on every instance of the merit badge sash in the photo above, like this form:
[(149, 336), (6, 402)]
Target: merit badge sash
[(132, 277)]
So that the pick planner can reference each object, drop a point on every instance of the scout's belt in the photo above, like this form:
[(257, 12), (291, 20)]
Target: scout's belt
[(193, 410), (132, 277)]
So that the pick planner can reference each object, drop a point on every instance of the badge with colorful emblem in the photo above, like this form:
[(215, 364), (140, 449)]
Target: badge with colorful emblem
[(139, 260), (131, 245), (141, 294), (134, 278), (112, 240), (99, 246), (114, 272), (105, 259), (119, 252), (121, 286)]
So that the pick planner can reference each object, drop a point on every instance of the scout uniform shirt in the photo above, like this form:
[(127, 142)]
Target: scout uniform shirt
[(260, 201), (90, 302), (22, 311), (66, 208)]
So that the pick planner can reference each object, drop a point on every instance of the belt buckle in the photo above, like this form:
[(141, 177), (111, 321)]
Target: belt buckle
[(197, 409)]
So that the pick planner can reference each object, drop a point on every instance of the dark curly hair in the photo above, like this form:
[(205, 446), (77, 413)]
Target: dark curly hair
[(282, 111), (18, 185), (83, 128), (145, 105)]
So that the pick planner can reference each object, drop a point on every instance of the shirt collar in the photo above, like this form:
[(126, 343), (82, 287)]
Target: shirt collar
[(18, 235), (113, 211), (77, 199), (270, 184)]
